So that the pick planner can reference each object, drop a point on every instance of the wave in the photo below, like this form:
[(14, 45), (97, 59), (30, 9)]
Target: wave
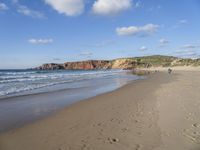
[(15, 90), (16, 82), (36, 76)]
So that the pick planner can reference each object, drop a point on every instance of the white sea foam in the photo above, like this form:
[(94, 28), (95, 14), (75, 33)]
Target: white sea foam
[(12, 82)]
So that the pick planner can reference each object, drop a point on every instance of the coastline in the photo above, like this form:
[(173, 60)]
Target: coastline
[(26, 108), (139, 115)]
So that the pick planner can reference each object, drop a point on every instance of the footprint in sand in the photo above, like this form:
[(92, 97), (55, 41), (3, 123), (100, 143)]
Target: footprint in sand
[(125, 129), (116, 120), (113, 140), (85, 147), (190, 116), (137, 147), (192, 135), (97, 125), (136, 121), (196, 125), (139, 133)]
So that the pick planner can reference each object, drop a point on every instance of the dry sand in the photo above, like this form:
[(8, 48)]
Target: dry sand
[(175, 68), (158, 113)]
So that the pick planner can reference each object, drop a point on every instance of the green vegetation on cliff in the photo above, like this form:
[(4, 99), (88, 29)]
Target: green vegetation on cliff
[(145, 62), (154, 61)]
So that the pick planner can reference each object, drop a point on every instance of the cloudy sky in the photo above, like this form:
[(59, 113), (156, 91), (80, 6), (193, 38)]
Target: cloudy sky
[(40, 31)]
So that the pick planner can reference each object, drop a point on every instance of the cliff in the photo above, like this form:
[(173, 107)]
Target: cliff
[(123, 63), (82, 65), (87, 65)]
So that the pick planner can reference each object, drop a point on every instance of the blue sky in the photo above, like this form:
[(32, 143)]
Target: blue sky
[(41, 31)]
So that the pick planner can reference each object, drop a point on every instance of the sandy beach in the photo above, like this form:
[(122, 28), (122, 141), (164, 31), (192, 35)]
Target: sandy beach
[(100, 75), (158, 113)]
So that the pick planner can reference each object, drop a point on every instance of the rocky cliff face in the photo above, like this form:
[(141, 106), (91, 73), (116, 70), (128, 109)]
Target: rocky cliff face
[(87, 65), (127, 63), (82, 65), (92, 65)]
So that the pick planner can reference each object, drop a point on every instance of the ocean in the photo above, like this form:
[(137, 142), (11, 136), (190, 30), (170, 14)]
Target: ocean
[(22, 82), (28, 95)]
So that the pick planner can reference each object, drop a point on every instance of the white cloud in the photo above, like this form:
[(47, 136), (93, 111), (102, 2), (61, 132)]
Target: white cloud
[(57, 59), (29, 12), (22, 9), (3, 6), (86, 54), (111, 7), (183, 21), (180, 23), (189, 46), (137, 30), (187, 53), (40, 41), (67, 7), (143, 48), (163, 41), (154, 8), (184, 51), (101, 44)]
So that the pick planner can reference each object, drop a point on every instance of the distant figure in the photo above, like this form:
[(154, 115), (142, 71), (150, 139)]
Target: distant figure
[(169, 71)]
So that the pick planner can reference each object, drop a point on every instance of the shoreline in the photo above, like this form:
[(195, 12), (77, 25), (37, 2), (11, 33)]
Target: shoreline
[(81, 104), (17, 111), (135, 116)]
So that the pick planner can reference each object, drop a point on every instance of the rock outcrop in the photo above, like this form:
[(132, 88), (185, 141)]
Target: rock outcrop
[(87, 65), (82, 65), (51, 66)]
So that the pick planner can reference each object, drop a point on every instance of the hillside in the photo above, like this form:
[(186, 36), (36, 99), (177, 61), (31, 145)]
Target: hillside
[(123, 63)]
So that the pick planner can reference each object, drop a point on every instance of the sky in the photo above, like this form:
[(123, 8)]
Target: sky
[(42, 31)]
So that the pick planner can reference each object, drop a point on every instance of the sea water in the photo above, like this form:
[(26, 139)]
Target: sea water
[(28, 95)]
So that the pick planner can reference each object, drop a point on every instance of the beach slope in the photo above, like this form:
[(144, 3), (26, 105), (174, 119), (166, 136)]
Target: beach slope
[(158, 113)]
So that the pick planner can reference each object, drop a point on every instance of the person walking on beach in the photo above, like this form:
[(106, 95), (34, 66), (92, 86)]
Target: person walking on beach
[(169, 71)]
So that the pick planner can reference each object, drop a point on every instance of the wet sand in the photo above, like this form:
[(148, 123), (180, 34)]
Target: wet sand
[(158, 113), (17, 111)]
